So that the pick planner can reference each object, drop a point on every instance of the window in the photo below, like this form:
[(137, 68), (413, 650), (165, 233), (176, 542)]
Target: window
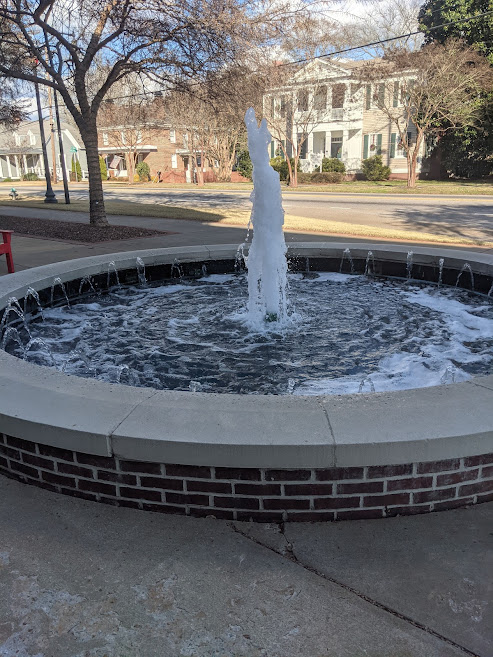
[(303, 139), (185, 140), (138, 136), (172, 136), (282, 107), (368, 97), (372, 145), (174, 161), (338, 93), (395, 100), (320, 98), (32, 138), (379, 96), (336, 147), (17, 139), (302, 100), (106, 141), (123, 137)]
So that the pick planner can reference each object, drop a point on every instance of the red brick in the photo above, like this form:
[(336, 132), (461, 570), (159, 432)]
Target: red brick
[(39, 462), (433, 495), (488, 497), (410, 510), (242, 474), (394, 499), (209, 486), (53, 478), (139, 494), (287, 475), (438, 466), (258, 489), (164, 508), (453, 504), (410, 483), (363, 487), (183, 498), (106, 462), (309, 489), (26, 469), (195, 471), (130, 504), (10, 452), (45, 486), (26, 445), (162, 482), (285, 504), (97, 487), (220, 514), (117, 478), (140, 466), (311, 516), (384, 471), (56, 452), (236, 502), (336, 502), (78, 470), (479, 487), (457, 477), (487, 471), (259, 516), (333, 474), (3, 462), (359, 514), (482, 459)]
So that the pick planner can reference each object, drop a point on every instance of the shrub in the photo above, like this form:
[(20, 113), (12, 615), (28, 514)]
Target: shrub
[(31, 176), (323, 178), (143, 171), (373, 169), (244, 164), (333, 164), (280, 165), (7, 180), (328, 177), (103, 168), (76, 169)]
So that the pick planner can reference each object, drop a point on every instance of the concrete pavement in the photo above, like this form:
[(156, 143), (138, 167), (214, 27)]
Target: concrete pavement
[(78, 579)]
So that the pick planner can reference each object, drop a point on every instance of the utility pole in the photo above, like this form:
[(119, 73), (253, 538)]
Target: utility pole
[(50, 194)]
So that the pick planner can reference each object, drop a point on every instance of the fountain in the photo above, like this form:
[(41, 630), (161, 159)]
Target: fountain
[(289, 456)]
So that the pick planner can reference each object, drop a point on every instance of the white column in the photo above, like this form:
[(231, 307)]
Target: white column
[(24, 157), (17, 165), (327, 143), (9, 166), (345, 145), (309, 145)]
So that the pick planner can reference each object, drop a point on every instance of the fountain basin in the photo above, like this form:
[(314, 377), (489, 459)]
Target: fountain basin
[(269, 458)]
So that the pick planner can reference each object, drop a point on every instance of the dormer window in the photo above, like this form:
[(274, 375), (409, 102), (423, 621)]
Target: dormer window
[(32, 138)]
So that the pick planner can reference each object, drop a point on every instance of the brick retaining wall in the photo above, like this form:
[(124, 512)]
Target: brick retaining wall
[(265, 495)]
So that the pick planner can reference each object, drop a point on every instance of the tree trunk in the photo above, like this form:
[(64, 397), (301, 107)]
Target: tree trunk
[(97, 212), (293, 180)]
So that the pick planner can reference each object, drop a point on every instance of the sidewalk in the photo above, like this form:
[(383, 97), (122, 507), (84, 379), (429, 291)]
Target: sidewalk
[(79, 579)]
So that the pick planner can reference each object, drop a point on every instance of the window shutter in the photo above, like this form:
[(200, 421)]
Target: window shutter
[(379, 144), (381, 95), (365, 146), (272, 148), (392, 144), (395, 102), (368, 96)]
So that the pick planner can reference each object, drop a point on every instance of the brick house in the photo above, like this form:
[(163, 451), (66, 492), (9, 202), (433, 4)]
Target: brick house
[(338, 116), (163, 148)]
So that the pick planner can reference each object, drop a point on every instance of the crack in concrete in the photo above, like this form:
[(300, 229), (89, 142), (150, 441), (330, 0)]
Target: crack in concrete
[(291, 556), (330, 429)]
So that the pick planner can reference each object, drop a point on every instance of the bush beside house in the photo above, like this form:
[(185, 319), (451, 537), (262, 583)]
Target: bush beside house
[(374, 169)]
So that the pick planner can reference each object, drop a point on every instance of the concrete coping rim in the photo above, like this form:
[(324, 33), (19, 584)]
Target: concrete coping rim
[(45, 406)]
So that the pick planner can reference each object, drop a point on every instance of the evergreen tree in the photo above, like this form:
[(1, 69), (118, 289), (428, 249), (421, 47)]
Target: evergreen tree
[(466, 152)]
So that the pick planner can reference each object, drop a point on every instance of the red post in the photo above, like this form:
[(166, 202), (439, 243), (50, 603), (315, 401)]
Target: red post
[(6, 248)]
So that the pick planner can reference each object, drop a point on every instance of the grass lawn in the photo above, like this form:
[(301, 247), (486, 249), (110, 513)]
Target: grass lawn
[(432, 187), (232, 217)]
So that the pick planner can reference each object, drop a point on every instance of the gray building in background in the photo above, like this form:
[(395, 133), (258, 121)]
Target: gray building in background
[(20, 150)]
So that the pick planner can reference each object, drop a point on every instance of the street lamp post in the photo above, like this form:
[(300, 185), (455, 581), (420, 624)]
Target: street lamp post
[(50, 194)]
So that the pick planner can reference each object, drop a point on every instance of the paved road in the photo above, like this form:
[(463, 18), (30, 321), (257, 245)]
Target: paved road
[(468, 217)]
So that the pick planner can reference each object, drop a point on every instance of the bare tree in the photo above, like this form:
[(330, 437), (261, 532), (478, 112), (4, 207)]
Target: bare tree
[(169, 40), (429, 92)]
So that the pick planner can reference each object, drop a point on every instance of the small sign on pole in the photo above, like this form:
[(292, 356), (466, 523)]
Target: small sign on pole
[(73, 149)]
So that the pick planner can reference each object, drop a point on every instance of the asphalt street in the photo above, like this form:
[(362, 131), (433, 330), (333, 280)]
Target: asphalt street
[(460, 216)]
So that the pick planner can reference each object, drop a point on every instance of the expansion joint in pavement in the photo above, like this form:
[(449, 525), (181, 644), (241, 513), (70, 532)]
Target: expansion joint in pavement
[(289, 554)]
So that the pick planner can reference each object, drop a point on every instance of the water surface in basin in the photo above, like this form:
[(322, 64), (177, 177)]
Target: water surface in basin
[(347, 333)]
